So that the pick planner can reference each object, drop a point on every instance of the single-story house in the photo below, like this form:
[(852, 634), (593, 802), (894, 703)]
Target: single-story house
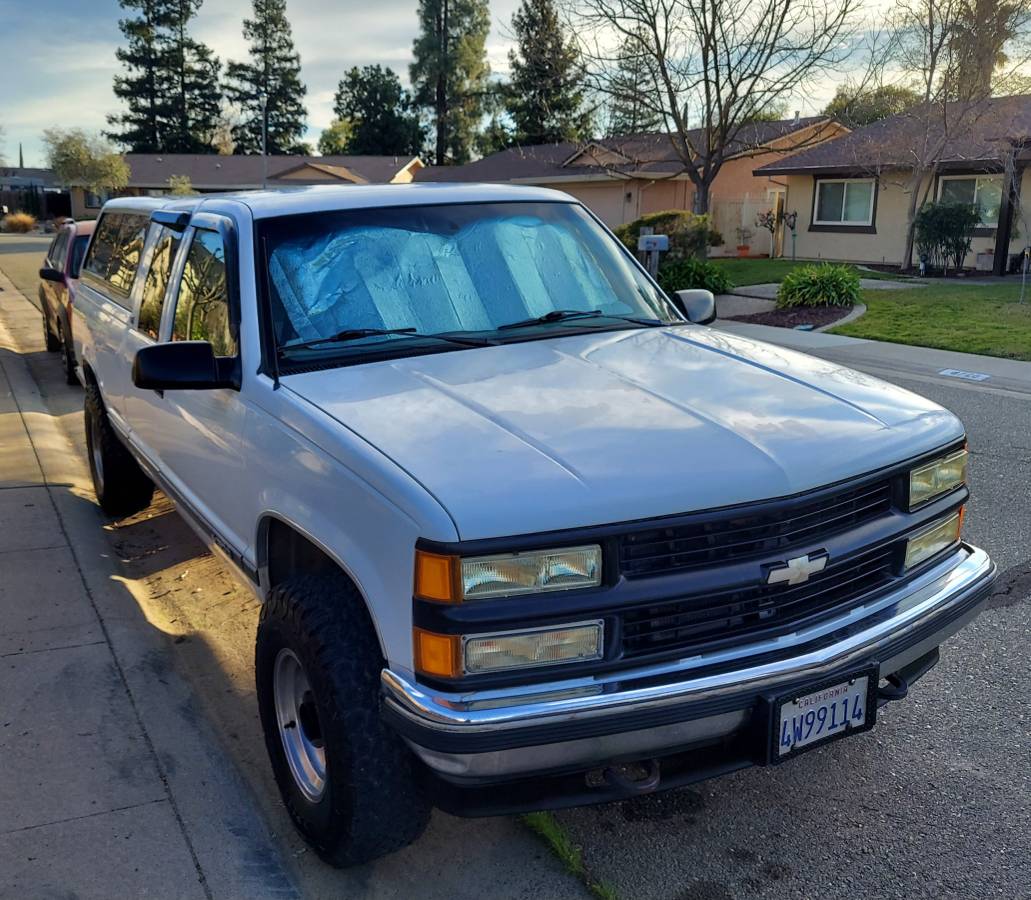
[(208, 173), (623, 178), (852, 194)]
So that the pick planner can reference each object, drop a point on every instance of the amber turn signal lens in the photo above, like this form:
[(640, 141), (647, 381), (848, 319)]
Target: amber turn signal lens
[(437, 654), (435, 577)]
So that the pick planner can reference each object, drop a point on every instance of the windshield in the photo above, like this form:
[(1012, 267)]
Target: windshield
[(466, 269)]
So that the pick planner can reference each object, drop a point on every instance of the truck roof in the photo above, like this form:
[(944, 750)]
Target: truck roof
[(326, 198)]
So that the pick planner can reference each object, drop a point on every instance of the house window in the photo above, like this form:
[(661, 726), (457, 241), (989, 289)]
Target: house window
[(95, 201), (982, 192), (844, 202)]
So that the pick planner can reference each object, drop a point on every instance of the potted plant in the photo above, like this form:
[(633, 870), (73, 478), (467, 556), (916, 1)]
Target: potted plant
[(744, 235)]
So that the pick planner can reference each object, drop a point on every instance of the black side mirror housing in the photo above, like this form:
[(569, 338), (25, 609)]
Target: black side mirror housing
[(184, 366), (48, 274), (698, 305)]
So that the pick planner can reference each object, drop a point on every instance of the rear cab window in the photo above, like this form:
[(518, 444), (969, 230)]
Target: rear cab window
[(202, 311), (114, 255)]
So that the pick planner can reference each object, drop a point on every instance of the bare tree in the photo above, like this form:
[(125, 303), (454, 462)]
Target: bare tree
[(711, 67)]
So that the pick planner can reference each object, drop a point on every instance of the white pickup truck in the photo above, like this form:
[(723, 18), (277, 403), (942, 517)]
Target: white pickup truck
[(527, 533)]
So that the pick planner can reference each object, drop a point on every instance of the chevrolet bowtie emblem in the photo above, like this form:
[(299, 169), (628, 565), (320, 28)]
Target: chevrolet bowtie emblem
[(797, 570)]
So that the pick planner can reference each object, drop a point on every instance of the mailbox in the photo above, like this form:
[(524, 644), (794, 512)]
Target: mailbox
[(652, 242)]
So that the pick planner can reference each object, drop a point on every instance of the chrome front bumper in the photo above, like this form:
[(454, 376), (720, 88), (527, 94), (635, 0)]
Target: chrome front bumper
[(519, 732)]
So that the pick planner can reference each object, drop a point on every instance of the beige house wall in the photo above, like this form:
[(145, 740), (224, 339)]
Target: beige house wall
[(888, 244)]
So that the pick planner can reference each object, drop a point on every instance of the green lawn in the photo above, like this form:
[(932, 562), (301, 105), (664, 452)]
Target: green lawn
[(968, 318), (765, 271)]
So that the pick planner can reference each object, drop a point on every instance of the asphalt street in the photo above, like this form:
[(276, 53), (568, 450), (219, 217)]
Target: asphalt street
[(934, 802)]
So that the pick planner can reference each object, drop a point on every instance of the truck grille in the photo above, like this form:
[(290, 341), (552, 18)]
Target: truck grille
[(749, 532), (728, 616)]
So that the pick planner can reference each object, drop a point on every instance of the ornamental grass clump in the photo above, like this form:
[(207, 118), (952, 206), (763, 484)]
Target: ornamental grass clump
[(19, 222), (819, 285)]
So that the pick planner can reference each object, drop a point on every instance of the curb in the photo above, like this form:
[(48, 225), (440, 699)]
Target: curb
[(857, 311)]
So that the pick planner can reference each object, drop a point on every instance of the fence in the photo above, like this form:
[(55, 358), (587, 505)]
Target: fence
[(38, 202), (735, 220)]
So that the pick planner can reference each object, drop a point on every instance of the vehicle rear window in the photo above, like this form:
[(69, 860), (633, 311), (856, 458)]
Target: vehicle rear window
[(156, 281), (115, 252), (202, 310)]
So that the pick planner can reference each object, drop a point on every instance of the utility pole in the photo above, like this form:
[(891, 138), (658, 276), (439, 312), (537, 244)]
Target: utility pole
[(264, 140)]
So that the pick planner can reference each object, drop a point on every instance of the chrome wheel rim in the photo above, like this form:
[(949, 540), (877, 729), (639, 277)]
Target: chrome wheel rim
[(299, 728), (96, 455)]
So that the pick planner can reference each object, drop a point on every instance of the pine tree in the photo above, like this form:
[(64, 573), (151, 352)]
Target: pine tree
[(268, 87), (546, 93), (139, 129), (194, 95), (379, 113), (171, 86), (450, 73), (629, 112)]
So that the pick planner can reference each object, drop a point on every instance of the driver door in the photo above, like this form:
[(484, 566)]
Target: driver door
[(194, 436)]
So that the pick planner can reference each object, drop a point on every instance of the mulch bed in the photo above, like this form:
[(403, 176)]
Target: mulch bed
[(817, 316)]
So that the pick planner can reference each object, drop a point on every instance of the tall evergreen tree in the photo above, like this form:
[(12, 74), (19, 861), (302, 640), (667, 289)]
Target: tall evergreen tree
[(141, 88), (171, 85), (193, 91), (546, 92), (628, 113), (450, 73), (379, 112), (269, 87)]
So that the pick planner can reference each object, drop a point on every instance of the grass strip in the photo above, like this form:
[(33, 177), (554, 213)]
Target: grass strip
[(549, 830)]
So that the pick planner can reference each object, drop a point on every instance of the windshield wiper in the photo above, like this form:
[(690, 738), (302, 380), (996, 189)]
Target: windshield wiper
[(564, 315), (354, 334)]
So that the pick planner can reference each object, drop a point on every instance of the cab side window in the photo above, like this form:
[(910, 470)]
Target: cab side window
[(114, 254), (156, 281), (58, 251), (202, 310)]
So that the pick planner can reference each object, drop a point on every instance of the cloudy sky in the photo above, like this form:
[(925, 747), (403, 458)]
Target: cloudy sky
[(58, 56)]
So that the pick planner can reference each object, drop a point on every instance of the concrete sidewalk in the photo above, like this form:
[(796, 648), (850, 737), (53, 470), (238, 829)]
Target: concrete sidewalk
[(110, 784), (967, 370)]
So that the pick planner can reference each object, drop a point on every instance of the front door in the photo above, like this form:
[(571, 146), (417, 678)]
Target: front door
[(194, 436), (776, 196)]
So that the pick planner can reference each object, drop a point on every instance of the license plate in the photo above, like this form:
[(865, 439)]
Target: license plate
[(829, 712)]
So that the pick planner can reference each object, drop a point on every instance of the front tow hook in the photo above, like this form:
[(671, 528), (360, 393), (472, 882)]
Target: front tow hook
[(644, 785)]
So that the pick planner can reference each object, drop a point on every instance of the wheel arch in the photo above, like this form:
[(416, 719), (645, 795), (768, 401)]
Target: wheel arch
[(284, 549)]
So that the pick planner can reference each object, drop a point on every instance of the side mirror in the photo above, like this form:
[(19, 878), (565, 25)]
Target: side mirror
[(48, 274), (698, 305), (183, 366)]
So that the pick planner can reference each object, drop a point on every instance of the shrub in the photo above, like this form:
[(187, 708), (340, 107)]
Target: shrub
[(943, 233), (821, 285), (689, 235), (20, 222), (682, 274)]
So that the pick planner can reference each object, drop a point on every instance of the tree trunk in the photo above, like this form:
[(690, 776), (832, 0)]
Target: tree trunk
[(701, 208), (441, 97)]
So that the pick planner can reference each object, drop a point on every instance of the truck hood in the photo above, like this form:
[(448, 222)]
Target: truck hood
[(589, 429)]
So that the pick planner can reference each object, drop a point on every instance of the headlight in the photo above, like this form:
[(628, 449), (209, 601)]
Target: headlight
[(933, 539), (452, 655), (937, 478), (451, 579), (531, 573)]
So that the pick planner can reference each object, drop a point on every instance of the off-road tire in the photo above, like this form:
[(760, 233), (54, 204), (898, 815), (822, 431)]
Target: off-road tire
[(373, 802), (52, 341), (121, 486), (67, 357)]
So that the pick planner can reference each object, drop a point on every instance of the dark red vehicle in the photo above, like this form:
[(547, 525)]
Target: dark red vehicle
[(58, 280)]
